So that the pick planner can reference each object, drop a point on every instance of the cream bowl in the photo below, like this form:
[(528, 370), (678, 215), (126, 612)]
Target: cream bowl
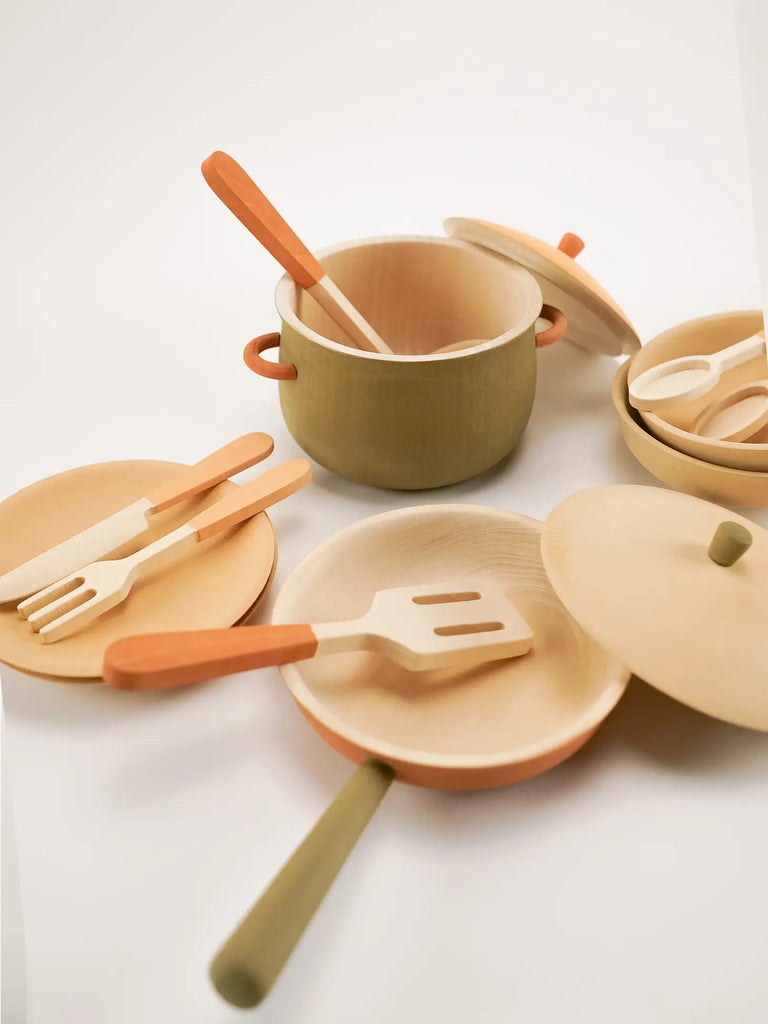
[(722, 484), (673, 426)]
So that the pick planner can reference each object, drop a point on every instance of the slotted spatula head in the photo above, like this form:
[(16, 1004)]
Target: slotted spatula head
[(438, 625)]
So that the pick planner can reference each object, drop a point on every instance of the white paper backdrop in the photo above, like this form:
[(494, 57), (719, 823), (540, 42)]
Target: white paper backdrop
[(625, 886)]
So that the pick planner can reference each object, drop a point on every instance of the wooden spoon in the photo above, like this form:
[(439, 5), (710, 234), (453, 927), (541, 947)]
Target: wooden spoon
[(543, 338), (689, 377), (736, 416), (252, 208)]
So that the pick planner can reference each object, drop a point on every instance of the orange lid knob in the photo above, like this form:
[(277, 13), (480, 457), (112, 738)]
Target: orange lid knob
[(571, 245)]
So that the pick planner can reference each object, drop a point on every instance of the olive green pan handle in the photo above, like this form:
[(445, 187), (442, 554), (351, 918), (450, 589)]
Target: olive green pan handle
[(249, 962)]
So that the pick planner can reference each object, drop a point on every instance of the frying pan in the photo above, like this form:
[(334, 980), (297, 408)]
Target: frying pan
[(449, 729)]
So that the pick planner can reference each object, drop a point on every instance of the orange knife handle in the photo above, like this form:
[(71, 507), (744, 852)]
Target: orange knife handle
[(244, 198), (156, 661), (252, 498), (233, 458)]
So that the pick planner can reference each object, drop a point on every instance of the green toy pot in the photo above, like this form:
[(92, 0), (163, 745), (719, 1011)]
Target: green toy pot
[(417, 418)]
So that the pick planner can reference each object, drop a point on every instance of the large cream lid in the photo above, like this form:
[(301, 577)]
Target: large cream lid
[(595, 322), (635, 566)]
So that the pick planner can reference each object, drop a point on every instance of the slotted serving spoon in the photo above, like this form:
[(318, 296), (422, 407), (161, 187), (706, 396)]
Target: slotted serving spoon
[(425, 627), (689, 377)]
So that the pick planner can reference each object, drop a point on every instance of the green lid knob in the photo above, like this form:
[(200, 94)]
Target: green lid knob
[(729, 543)]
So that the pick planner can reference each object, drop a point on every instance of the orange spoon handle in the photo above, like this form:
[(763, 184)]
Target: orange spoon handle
[(244, 198), (156, 661)]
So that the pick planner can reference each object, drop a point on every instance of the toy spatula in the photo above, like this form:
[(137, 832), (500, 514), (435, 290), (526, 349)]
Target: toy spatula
[(443, 625)]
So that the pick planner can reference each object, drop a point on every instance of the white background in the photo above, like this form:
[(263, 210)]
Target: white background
[(628, 885)]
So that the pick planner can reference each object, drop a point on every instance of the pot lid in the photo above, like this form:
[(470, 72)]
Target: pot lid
[(595, 322), (674, 587)]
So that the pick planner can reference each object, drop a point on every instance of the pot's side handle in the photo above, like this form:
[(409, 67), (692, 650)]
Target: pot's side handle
[(265, 368), (556, 331)]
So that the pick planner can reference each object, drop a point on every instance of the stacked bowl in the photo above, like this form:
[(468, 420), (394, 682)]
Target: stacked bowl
[(733, 473)]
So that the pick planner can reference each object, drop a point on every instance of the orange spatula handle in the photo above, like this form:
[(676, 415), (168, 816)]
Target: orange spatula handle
[(156, 661), (254, 497), (252, 208), (233, 458)]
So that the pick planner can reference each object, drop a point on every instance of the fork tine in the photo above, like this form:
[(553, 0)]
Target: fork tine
[(49, 594), (69, 601), (75, 618)]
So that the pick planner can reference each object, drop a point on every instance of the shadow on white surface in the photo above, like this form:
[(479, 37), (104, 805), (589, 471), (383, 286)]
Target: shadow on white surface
[(13, 983), (677, 738), (646, 726), (668, 737), (752, 32), (44, 702)]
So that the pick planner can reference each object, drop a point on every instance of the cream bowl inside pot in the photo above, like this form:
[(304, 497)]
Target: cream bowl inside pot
[(415, 419)]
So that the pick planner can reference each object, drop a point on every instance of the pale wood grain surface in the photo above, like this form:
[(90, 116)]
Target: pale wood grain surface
[(631, 564), (460, 727)]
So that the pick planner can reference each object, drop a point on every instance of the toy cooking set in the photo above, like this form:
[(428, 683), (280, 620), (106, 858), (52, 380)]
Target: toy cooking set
[(449, 646)]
